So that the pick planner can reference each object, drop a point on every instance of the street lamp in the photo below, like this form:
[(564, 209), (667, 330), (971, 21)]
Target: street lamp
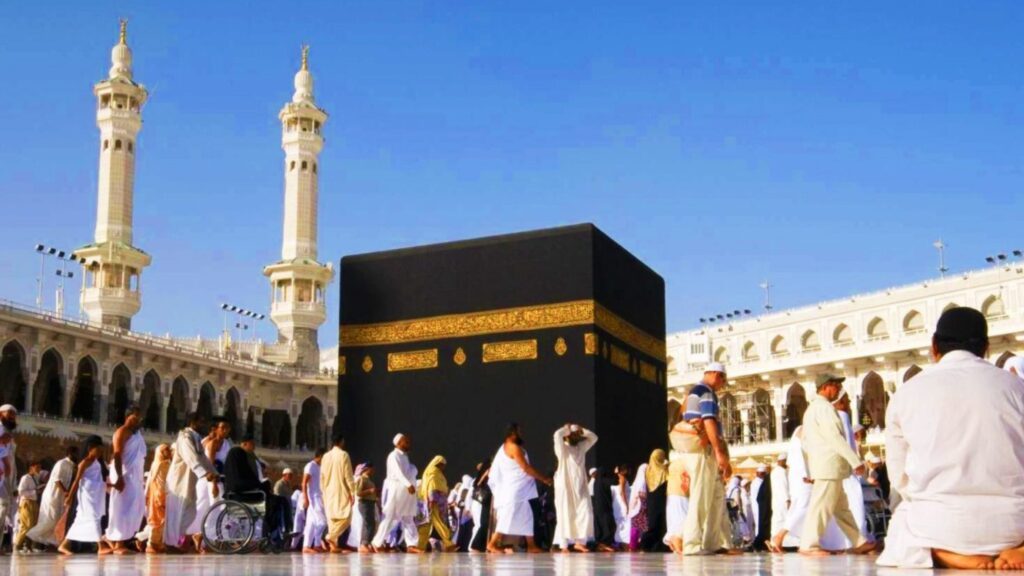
[(44, 251)]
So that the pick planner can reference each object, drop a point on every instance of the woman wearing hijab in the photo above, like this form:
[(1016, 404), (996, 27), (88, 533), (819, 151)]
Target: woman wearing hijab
[(434, 492), (156, 498), (656, 477), (638, 508)]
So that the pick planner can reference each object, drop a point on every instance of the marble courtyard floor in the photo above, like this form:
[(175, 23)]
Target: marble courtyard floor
[(574, 564)]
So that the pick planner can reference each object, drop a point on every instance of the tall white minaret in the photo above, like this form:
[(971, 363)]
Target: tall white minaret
[(298, 281), (112, 292)]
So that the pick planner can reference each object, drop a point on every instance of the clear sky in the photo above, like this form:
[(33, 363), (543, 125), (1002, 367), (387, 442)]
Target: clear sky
[(822, 145)]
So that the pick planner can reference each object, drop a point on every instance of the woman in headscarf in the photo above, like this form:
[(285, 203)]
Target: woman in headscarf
[(156, 498), (656, 477), (638, 508), (434, 492)]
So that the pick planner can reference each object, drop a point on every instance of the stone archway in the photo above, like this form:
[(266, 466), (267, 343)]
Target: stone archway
[(149, 401), (796, 404), (48, 391), (732, 424), (911, 372), (177, 405), (233, 411), (873, 401), (762, 417), (309, 431), (207, 401), (12, 375), (83, 399), (119, 394), (277, 429)]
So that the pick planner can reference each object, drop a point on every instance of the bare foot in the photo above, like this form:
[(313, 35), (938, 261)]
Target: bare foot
[(581, 548), (814, 552), (947, 559), (63, 549), (495, 549), (123, 550), (413, 550), (534, 550), (865, 548), (776, 543), (1012, 559), (310, 551), (365, 549), (605, 548)]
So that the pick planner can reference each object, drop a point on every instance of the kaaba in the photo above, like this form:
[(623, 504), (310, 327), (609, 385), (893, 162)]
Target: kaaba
[(449, 343)]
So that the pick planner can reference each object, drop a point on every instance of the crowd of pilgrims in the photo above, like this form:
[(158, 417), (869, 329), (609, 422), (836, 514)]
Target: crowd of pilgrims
[(957, 497), (87, 502)]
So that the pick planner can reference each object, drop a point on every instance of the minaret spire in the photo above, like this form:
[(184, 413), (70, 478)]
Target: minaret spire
[(113, 271), (298, 280)]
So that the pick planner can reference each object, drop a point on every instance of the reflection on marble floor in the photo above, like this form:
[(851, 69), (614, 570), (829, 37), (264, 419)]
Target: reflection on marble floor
[(575, 564)]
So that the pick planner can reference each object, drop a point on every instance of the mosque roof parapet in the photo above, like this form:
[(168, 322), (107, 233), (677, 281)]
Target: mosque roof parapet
[(170, 347), (886, 296)]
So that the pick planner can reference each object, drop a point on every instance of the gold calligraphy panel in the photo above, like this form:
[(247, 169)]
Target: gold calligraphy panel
[(413, 360), (575, 313), (512, 350), (620, 358)]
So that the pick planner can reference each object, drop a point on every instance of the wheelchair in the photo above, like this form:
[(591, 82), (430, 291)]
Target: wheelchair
[(235, 525)]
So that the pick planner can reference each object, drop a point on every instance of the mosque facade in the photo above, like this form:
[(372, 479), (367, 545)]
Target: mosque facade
[(877, 341), (73, 377)]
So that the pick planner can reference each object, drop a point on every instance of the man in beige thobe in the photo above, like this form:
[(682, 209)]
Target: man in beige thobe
[(337, 485), (830, 460), (187, 465), (707, 527)]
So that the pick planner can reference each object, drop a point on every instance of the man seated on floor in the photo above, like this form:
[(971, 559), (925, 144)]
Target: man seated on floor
[(961, 487), (241, 474)]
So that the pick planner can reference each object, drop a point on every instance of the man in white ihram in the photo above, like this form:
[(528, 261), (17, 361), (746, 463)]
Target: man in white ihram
[(513, 482), (573, 507), (402, 504), (780, 493), (962, 490)]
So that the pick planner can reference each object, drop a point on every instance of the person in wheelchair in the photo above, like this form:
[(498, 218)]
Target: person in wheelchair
[(242, 480)]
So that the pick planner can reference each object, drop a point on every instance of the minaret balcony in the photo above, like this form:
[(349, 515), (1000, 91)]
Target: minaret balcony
[(298, 314)]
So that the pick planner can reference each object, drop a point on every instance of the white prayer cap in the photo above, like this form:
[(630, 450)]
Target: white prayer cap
[(762, 468), (287, 471), (715, 367), (591, 471), (783, 456), (872, 458), (397, 438), (574, 428), (8, 408)]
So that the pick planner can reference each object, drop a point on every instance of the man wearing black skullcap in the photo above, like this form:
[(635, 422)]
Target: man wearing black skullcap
[(961, 488)]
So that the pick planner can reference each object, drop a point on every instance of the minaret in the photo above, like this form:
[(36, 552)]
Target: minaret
[(113, 266), (298, 281)]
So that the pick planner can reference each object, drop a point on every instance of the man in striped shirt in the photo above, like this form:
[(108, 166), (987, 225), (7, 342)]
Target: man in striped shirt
[(707, 526)]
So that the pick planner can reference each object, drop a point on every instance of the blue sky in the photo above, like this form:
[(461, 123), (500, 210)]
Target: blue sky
[(823, 146)]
